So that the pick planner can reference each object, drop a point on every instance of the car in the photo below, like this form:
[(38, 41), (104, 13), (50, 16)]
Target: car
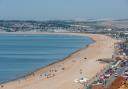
[(126, 72), (97, 82), (125, 76), (107, 75), (110, 71), (102, 77), (116, 74)]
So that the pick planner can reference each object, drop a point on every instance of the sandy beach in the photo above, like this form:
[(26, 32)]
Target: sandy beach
[(61, 75)]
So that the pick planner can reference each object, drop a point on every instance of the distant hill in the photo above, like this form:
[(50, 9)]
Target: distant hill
[(63, 25)]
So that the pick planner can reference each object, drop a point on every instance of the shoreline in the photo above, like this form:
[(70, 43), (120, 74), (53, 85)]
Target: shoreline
[(30, 73), (36, 73), (45, 66)]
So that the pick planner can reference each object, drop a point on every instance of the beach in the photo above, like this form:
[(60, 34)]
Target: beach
[(61, 75)]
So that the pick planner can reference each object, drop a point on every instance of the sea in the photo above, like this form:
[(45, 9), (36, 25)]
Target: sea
[(22, 54)]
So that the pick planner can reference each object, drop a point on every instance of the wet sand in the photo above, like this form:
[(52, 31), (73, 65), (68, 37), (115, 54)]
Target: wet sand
[(61, 75)]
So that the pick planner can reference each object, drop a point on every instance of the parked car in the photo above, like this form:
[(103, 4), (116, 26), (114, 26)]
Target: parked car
[(107, 75), (126, 72), (125, 76), (116, 74)]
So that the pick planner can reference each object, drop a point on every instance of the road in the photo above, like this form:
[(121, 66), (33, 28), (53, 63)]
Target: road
[(120, 71)]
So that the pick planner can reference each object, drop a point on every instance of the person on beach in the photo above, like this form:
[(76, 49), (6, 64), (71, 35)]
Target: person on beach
[(80, 71), (2, 86)]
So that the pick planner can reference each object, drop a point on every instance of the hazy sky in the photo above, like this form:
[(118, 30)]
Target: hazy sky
[(63, 9)]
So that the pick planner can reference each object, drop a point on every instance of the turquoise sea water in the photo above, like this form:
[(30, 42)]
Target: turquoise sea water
[(21, 54)]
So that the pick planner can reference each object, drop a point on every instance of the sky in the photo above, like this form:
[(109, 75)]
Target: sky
[(63, 9)]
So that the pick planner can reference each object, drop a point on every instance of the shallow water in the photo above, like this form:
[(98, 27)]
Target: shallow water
[(21, 54)]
